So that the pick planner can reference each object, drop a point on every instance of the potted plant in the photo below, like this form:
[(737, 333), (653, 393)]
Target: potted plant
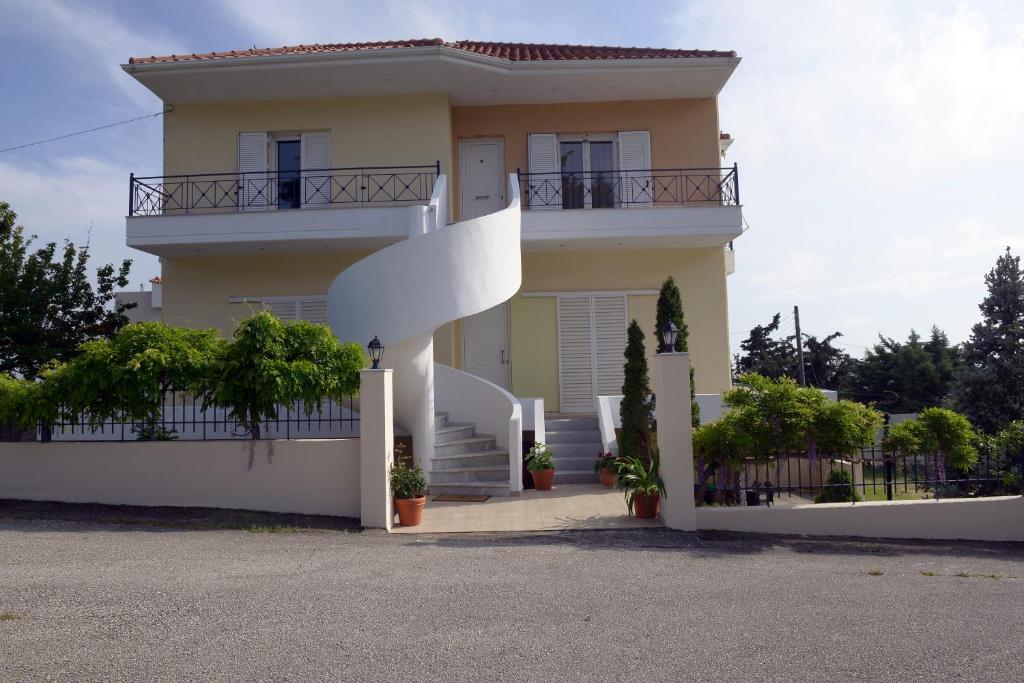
[(408, 486), (541, 467), (604, 467), (642, 484)]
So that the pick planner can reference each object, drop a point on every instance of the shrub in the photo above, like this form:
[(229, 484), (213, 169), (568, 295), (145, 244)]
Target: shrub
[(639, 478), (407, 482), (840, 489), (635, 410), (540, 458)]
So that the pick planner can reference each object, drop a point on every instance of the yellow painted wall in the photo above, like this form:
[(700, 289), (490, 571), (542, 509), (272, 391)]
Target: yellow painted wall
[(699, 273), (197, 289), (684, 132), (365, 131)]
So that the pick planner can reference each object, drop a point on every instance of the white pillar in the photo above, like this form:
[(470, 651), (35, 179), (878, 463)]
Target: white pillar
[(413, 362), (376, 448), (675, 444)]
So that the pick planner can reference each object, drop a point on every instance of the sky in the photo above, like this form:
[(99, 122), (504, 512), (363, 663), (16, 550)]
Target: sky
[(879, 143)]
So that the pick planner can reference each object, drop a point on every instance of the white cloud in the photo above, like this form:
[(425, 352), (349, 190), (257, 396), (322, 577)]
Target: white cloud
[(96, 42), (62, 199)]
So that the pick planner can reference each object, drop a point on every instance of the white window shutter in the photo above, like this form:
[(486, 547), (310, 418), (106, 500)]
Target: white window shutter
[(575, 355), (313, 310), (254, 186), (316, 159), (284, 309), (544, 192), (635, 168), (609, 343)]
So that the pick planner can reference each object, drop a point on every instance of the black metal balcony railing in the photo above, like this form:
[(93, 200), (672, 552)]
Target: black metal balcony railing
[(647, 187), (213, 192)]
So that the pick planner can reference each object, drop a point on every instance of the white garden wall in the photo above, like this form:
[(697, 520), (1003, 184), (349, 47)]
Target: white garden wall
[(319, 477)]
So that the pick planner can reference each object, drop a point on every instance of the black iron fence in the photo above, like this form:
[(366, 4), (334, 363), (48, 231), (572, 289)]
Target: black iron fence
[(213, 192), (638, 188), (188, 417), (871, 475)]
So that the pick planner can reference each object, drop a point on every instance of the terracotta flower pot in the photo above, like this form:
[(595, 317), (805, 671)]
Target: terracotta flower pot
[(646, 507), (608, 477), (410, 510), (543, 479)]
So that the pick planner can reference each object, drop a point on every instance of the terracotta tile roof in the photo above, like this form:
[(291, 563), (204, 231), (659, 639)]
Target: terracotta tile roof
[(512, 52)]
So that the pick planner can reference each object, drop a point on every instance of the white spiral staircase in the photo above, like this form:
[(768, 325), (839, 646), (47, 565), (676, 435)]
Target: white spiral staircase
[(405, 291)]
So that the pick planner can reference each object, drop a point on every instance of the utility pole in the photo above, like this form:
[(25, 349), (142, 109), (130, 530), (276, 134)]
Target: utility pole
[(799, 348)]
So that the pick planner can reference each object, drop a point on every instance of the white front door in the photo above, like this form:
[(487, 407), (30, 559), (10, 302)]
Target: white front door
[(485, 345), (481, 168)]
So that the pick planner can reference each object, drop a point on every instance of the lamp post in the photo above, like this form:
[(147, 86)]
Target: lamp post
[(669, 332), (376, 350)]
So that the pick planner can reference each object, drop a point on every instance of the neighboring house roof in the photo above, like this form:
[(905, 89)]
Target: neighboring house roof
[(512, 52)]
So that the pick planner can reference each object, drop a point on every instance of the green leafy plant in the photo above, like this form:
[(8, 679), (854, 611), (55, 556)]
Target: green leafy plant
[(605, 461), (270, 363), (942, 436), (407, 482), (639, 478), (540, 458), (839, 489), (635, 437), (670, 310)]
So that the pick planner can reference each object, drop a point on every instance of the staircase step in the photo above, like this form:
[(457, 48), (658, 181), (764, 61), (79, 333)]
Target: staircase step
[(453, 431), (578, 437), (571, 424), (468, 474), (575, 476), (473, 488), (586, 463), (474, 444), (440, 420), (482, 458), (575, 450)]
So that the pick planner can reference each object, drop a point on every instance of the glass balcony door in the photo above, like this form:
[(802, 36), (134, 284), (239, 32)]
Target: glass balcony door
[(289, 168), (588, 174)]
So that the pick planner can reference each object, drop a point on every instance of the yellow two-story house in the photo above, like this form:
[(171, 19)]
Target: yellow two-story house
[(490, 211)]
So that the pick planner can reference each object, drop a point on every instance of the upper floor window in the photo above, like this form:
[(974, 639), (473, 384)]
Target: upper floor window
[(588, 173)]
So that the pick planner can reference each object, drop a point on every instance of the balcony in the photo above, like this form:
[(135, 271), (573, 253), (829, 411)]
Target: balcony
[(363, 207), (697, 207)]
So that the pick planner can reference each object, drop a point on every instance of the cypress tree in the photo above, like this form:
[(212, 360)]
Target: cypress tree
[(635, 409), (670, 310), (990, 386)]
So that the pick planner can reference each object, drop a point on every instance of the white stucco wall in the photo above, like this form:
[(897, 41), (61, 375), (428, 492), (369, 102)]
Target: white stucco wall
[(319, 477)]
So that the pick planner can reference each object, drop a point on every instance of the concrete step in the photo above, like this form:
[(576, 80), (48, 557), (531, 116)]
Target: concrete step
[(440, 420), (575, 450), (469, 474), (473, 488), (581, 437), (454, 431), (567, 424), (491, 458), (575, 476), (474, 444), (586, 463)]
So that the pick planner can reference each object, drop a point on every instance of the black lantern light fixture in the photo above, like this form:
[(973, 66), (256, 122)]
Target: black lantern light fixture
[(669, 332), (376, 350)]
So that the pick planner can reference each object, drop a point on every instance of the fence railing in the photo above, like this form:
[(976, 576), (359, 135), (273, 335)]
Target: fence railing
[(187, 417), (637, 188), (871, 475), (267, 190)]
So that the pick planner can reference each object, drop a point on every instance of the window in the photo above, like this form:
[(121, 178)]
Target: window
[(588, 173), (312, 308)]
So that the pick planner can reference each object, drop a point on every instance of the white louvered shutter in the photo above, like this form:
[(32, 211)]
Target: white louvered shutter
[(635, 168), (316, 159), (285, 309), (609, 343), (313, 310), (253, 183), (545, 191), (575, 355)]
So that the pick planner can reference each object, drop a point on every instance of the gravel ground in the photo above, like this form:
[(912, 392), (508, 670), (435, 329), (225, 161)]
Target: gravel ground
[(96, 600)]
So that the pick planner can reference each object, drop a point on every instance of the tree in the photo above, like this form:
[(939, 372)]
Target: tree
[(670, 310), (768, 355), (944, 435), (270, 364), (905, 377), (48, 306), (990, 386), (635, 410)]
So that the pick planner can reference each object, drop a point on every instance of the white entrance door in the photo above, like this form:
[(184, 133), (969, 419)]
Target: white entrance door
[(481, 168), (485, 345), (591, 344)]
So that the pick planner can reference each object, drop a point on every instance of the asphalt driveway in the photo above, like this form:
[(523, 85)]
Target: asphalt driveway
[(82, 600)]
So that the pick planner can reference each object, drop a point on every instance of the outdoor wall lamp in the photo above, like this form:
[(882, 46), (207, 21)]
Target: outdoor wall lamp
[(669, 332), (376, 350)]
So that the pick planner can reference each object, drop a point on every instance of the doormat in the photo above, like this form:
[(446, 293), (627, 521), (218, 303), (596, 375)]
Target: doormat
[(458, 498)]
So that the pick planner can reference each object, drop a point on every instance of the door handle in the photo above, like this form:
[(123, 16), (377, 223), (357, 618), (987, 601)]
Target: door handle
[(482, 196), (503, 356)]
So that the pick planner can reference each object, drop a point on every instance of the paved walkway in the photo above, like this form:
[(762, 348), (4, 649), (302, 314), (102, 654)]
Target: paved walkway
[(571, 506)]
